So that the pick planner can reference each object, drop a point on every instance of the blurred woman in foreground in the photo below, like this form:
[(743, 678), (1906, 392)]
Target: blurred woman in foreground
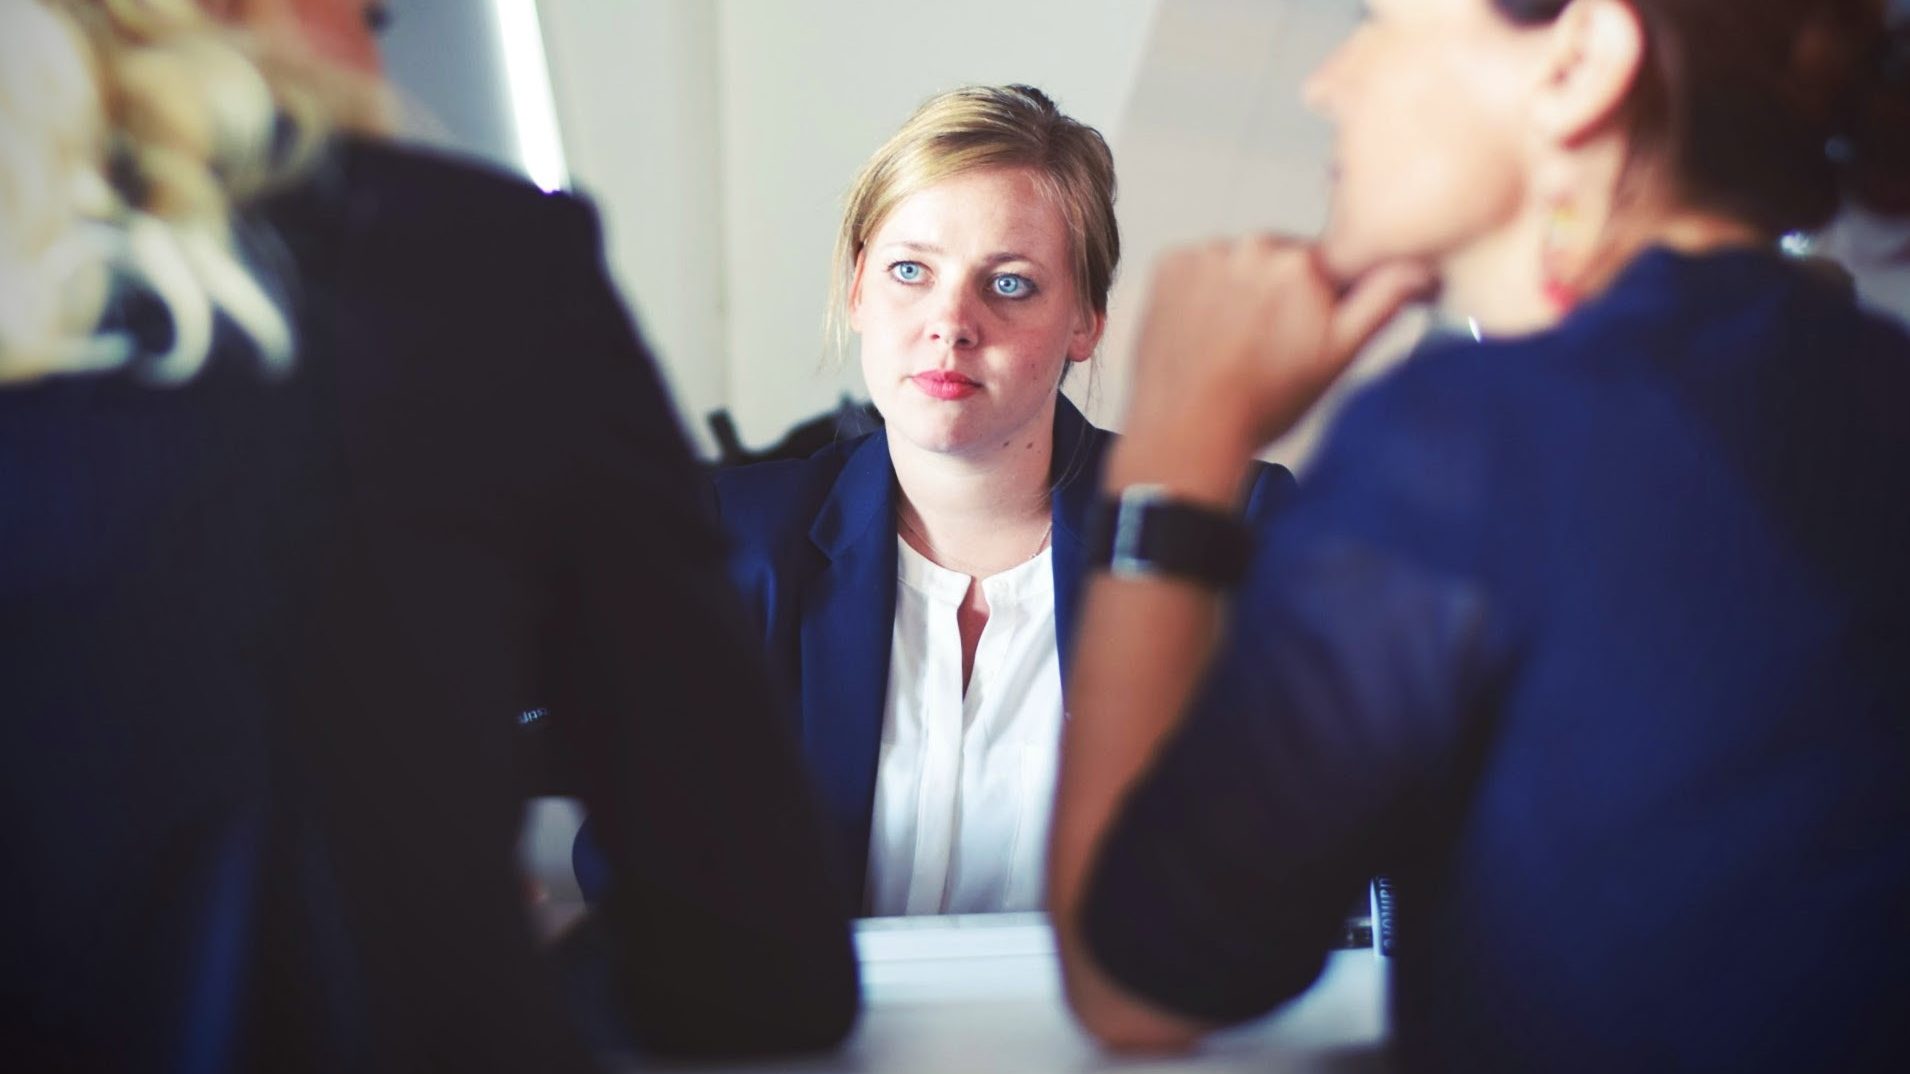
[(1592, 633), (321, 460)]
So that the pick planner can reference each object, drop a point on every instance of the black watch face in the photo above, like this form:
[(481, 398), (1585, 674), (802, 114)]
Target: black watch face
[(1150, 536)]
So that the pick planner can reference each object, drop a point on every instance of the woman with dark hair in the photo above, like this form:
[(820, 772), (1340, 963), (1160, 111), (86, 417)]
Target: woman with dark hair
[(1593, 633)]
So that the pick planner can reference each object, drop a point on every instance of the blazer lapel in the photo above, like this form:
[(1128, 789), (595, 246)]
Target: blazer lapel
[(848, 612), (1076, 475)]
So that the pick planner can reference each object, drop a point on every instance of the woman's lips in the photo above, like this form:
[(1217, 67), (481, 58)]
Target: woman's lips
[(942, 384)]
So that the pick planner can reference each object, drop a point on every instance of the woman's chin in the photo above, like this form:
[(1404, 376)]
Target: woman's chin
[(936, 437), (1345, 256)]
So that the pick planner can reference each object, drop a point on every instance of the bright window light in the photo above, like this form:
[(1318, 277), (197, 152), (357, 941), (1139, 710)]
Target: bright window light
[(533, 111)]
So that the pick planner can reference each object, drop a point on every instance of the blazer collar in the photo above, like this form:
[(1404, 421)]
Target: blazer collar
[(857, 519), (1075, 470), (848, 616), (1076, 474), (860, 506)]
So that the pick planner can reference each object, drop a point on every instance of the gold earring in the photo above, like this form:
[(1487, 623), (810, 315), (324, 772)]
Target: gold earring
[(1562, 228)]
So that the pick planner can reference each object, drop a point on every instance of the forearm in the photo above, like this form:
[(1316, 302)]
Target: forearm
[(1143, 647), (1239, 339)]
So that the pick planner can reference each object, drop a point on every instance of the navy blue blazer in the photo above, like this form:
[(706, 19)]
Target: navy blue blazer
[(263, 640), (1598, 641), (815, 560)]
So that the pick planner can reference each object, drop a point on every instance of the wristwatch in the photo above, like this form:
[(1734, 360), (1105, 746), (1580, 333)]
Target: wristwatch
[(1145, 532)]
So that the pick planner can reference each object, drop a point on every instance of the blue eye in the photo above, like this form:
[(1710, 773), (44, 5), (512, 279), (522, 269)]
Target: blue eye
[(1009, 285), (908, 271)]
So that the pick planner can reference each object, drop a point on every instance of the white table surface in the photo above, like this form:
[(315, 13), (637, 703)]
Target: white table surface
[(970, 995)]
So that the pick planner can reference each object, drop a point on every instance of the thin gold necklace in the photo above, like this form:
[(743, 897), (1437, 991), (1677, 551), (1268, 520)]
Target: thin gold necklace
[(935, 556)]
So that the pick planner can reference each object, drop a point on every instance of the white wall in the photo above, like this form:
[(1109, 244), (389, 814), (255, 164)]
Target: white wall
[(1216, 141), (447, 70), (636, 87)]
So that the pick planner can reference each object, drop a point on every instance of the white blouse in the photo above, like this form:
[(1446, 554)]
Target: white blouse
[(965, 784)]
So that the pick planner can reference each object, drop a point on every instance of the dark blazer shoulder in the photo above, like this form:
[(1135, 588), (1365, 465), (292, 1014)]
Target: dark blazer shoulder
[(406, 210), (430, 274), (1081, 450), (437, 190), (771, 505)]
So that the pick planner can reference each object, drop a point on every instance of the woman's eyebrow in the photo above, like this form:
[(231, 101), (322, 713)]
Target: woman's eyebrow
[(998, 257)]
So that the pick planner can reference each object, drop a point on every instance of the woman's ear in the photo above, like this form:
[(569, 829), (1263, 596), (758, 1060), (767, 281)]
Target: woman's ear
[(1597, 55), (1087, 336)]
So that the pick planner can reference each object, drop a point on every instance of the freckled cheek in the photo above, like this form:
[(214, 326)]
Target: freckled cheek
[(907, 323), (885, 360), (886, 336), (883, 369), (1030, 358)]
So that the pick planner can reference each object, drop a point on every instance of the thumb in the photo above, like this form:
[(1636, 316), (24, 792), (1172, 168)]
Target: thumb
[(1373, 300)]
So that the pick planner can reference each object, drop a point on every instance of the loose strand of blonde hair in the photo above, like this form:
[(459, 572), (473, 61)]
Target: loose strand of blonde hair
[(51, 265), (132, 131)]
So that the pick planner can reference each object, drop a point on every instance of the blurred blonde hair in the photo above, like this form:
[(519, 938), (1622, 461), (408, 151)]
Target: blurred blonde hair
[(131, 131), (976, 127)]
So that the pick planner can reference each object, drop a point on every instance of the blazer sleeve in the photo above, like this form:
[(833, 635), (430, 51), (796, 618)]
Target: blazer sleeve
[(727, 933), (1332, 727)]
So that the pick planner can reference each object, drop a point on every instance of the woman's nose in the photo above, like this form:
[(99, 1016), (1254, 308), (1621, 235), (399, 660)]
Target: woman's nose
[(955, 322)]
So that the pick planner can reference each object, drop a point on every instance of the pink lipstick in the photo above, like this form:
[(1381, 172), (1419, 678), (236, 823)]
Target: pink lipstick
[(945, 384)]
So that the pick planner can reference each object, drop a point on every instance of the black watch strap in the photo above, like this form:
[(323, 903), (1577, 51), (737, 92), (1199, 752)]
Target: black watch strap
[(1144, 531)]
